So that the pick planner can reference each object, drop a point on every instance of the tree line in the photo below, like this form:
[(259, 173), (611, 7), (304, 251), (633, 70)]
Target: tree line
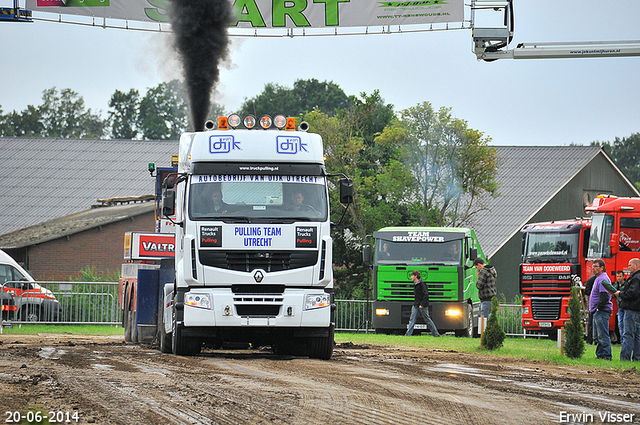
[(417, 167)]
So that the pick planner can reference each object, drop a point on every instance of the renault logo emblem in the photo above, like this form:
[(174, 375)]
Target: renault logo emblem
[(258, 276)]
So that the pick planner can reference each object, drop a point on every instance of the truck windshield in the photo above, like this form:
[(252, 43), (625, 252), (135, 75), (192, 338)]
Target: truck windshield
[(601, 228), (254, 198), (445, 253), (548, 247)]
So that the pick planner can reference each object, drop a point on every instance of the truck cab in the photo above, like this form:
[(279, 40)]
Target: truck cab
[(253, 257), (553, 255)]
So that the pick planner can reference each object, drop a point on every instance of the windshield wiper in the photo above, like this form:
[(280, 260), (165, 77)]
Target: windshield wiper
[(234, 219)]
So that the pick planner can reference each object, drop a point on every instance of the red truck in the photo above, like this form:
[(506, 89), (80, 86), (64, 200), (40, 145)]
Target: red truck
[(615, 235), (553, 254)]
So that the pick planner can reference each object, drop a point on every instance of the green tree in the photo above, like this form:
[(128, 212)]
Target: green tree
[(305, 96), (574, 347), (24, 124), (493, 335), (353, 148), (123, 116), (63, 115), (163, 112), (325, 96), (626, 154), (453, 165)]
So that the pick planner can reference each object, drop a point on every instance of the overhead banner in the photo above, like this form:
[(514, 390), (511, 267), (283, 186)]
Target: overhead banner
[(274, 13)]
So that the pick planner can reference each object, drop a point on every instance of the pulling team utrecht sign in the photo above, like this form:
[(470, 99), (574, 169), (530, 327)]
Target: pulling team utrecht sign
[(275, 13)]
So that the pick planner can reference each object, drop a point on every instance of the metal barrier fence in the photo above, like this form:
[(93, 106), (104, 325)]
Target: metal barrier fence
[(97, 303), (355, 316), (93, 303)]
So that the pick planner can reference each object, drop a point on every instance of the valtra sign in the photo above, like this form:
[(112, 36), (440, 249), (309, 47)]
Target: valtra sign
[(149, 246)]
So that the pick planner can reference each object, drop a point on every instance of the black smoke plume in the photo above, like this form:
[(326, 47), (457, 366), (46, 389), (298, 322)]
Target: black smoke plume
[(200, 37)]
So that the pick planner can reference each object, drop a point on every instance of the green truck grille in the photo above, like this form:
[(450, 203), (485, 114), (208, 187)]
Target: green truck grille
[(394, 283), (404, 291)]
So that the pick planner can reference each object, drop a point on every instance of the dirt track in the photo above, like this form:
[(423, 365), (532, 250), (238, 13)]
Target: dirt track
[(109, 382)]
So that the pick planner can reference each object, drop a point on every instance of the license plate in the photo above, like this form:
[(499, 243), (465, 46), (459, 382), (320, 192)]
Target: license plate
[(545, 324), (419, 326)]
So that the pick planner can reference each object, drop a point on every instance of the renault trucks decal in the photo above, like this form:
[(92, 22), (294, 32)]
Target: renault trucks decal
[(306, 237), (211, 236)]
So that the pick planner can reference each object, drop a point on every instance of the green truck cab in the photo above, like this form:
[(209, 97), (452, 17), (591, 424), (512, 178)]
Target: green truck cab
[(444, 256)]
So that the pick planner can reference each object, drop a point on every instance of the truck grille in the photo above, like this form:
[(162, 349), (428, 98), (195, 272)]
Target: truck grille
[(546, 308), (404, 291), (247, 261), (258, 310)]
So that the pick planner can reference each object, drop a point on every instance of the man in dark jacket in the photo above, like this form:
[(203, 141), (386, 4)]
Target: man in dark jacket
[(486, 285), (629, 300), (420, 305)]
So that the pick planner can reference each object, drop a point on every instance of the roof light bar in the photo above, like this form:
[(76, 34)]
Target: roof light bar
[(234, 121), (280, 121), (265, 121), (249, 121)]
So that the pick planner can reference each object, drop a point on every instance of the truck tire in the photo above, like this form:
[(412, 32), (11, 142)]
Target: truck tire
[(165, 340), (126, 316), (469, 330), (322, 347), (180, 345)]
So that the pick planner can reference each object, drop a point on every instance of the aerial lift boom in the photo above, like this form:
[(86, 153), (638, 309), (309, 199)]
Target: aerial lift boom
[(491, 43)]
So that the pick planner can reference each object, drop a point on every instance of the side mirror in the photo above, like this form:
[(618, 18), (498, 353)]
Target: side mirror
[(168, 202), (169, 182), (367, 254), (614, 243), (346, 191), (473, 254)]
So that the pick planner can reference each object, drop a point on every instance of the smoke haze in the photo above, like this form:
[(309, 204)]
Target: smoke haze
[(200, 36)]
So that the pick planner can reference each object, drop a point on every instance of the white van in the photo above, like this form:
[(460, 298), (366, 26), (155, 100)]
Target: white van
[(34, 303)]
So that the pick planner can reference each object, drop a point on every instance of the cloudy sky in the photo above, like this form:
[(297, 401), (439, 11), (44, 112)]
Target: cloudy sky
[(515, 102)]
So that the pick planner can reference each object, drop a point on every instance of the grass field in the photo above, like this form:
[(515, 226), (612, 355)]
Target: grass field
[(517, 348), (64, 330)]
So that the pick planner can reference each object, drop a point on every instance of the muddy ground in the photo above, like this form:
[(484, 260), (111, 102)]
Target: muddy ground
[(106, 381)]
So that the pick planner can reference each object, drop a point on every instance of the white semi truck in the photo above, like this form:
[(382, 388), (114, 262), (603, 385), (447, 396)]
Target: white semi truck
[(253, 256)]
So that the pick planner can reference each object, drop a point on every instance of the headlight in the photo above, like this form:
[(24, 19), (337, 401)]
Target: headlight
[(382, 311), (452, 312), (198, 300), (316, 301), (525, 310)]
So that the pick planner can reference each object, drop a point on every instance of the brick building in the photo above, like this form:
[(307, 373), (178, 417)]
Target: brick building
[(50, 220), (94, 239)]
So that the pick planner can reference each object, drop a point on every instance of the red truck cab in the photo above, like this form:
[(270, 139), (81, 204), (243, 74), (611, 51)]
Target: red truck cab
[(553, 254)]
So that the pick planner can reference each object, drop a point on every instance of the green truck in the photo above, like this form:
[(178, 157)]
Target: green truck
[(444, 256)]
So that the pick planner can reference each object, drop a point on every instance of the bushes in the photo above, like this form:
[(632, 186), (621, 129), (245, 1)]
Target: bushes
[(574, 343), (493, 336)]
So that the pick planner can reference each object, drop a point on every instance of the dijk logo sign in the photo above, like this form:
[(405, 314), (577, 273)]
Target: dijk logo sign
[(223, 144), (290, 145)]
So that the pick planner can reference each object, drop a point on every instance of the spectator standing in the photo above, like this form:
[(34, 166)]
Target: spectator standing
[(420, 305), (629, 299), (588, 286), (601, 306), (486, 285), (620, 286)]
